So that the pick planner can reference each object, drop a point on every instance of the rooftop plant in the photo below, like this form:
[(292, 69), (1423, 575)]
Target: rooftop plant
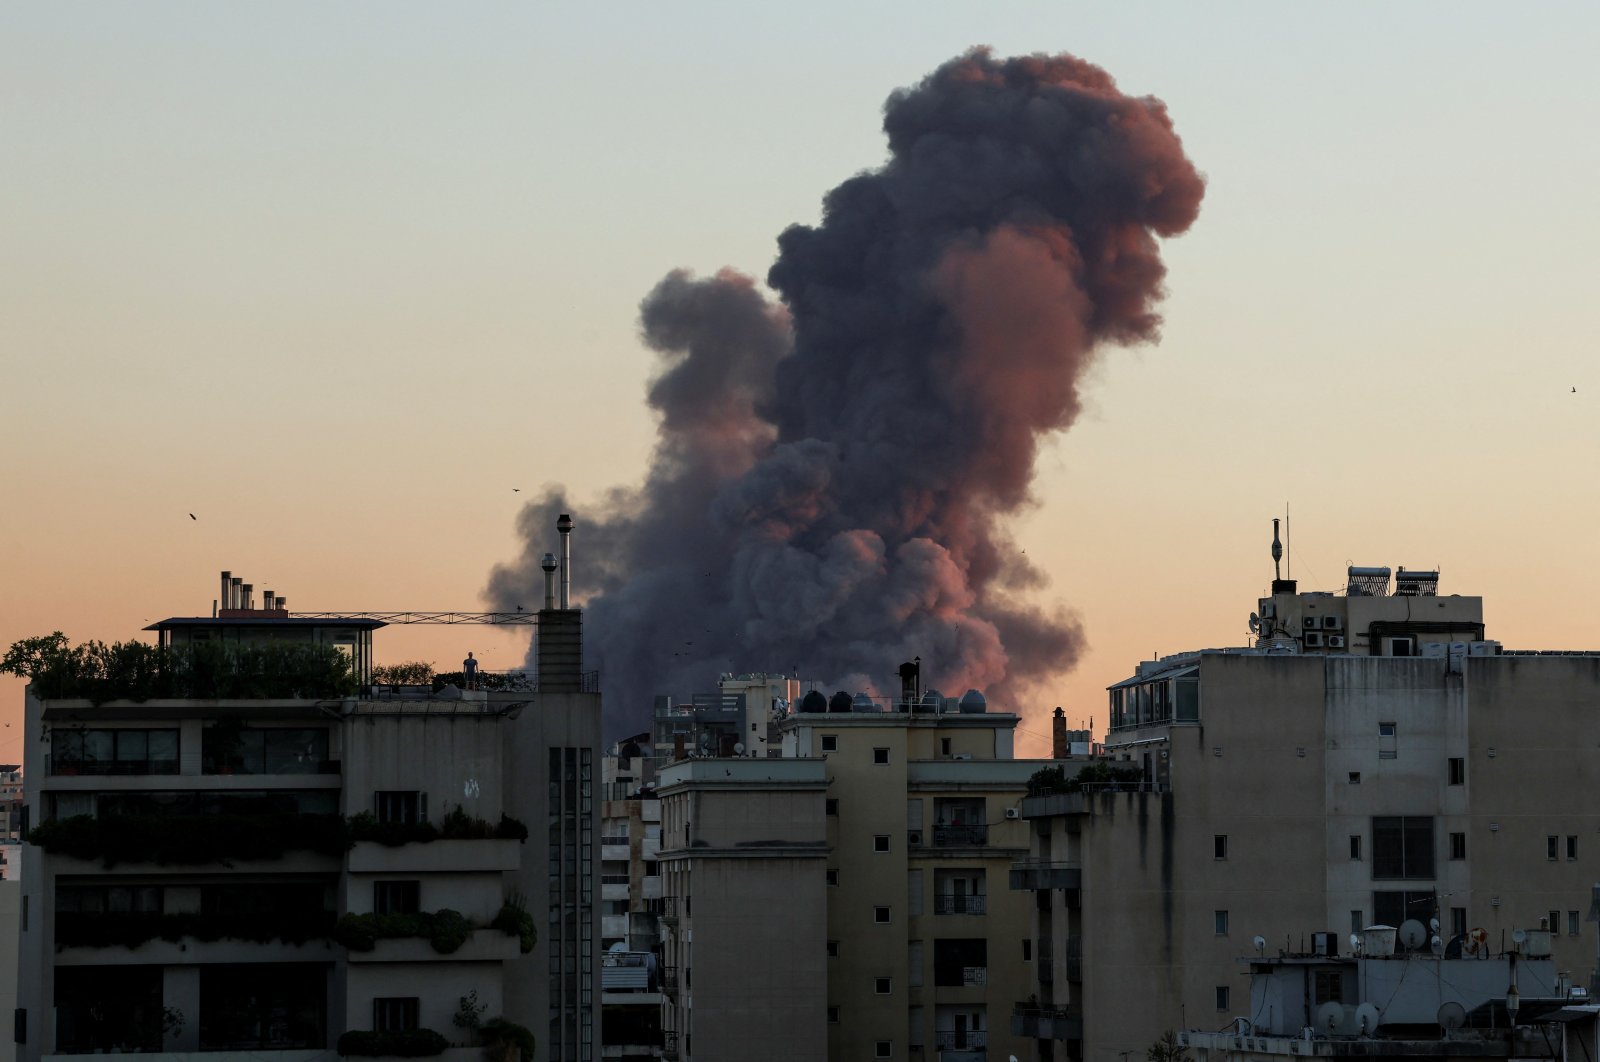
[(1047, 780), (445, 929), (189, 840), (136, 671), (514, 920)]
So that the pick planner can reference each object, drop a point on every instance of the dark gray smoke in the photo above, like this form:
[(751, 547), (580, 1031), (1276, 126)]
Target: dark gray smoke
[(833, 474)]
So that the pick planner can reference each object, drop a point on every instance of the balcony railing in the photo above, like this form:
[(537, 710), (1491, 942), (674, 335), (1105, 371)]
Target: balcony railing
[(63, 766), (669, 1045), (669, 980), (1045, 1022), (668, 913), (961, 1039), (976, 904), (960, 836), (1045, 874)]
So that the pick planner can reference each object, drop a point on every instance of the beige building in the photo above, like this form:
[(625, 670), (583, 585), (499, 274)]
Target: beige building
[(267, 874), (857, 885), (1372, 759)]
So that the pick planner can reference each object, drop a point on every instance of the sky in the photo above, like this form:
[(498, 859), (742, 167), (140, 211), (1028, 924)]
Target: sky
[(342, 280)]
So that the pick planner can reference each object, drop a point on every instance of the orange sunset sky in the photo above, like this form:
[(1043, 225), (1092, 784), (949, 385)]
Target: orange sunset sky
[(338, 280)]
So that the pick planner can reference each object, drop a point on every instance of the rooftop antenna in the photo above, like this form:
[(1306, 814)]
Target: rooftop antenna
[(1277, 552), (1288, 533)]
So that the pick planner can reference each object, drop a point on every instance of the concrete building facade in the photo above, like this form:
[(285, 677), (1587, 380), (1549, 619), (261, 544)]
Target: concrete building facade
[(1409, 771), (305, 866)]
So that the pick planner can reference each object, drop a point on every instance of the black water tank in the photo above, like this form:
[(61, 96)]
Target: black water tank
[(814, 702), (840, 702)]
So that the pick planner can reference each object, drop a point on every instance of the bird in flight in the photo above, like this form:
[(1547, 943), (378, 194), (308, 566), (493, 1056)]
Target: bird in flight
[(516, 490), (192, 516)]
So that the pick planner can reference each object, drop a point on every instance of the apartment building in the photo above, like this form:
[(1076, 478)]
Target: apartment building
[(745, 961), (740, 719), (305, 870), (630, 902), (10, 821), (1372, 759)]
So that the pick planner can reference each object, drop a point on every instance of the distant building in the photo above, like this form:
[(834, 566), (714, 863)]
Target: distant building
[(1371, 759), (861, 877), (192, 891), (11, 800)]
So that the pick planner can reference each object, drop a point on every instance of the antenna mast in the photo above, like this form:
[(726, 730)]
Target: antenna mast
[(1277, 552)]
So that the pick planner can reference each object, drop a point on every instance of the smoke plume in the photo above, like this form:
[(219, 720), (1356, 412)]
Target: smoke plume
[(833, 475)]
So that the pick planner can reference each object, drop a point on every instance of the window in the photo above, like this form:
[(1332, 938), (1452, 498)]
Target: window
[(880, 915), (1572, 923), (1355, 846), (830, 742), (1402, 847), (831, 876), (114, 752), (400, 805), (833, 949), (1355, 777), (1553, 922), (1027, 951), (1552, 847), (1386, 730), (1219, 846), (264, 750), (1392, 908), (960, 962), (880, 756), (944, 746), (880, 842), (394, 1013), (396, 897), (1329, 987), (880, 985), (1458, 921), (1222, 997), (1458, 846), (1357, 923), (883, 1049), (1220, 919), (831, 805), (1572, 846), (833, 1015), (1458, 770)]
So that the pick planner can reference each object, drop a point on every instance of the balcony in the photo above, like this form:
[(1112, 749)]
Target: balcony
[(958, 905), (669, 1045), (1045, 1022), (483, 945), (669, 911), (969, 836), (961, 1039), (1046, 874), (452, 855), (669, 980)]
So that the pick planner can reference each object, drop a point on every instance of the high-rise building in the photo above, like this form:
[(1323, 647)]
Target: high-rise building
[(253, 848), (1372, 759)]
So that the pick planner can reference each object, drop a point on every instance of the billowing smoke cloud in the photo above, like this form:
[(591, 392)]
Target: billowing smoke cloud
[(833, 475)]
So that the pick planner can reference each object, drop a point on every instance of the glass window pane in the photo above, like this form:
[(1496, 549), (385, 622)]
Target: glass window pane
[(99, 746), (133, 746), (164, 746)]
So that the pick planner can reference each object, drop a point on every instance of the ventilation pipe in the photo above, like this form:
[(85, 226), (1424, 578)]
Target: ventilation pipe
[(223, 600), (549, 566), (564, 525)]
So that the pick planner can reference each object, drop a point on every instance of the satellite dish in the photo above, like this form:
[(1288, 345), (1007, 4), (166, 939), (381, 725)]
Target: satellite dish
[(1519, 936), (1452, 1015), (1329, 1015), (1260, 942), (1355, 942), (1433, 924), (738, 748), (621, 945), (1436, 945), (1255, 623), (1413, 934), (1367, 1015)]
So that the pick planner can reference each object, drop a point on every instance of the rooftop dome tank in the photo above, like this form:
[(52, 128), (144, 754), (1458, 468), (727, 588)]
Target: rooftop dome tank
[(864, 703), (814, 702), (973, 703), (932, 701), (840, 702)]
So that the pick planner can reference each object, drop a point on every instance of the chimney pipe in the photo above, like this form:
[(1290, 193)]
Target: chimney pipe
[(234, 593), (267, 600), (223, 600), (564, 525), (283, 603), (249, 601), (1060, 746), (549, 566)]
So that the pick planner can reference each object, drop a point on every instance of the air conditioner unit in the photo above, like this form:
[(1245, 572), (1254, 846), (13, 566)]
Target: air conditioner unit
[(1013, 813), (1335, 641), (1333, 623), (1483, 648), (1313, 639), (1311, 622)]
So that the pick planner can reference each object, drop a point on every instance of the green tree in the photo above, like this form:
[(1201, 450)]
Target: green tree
[(1167, 1049)]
